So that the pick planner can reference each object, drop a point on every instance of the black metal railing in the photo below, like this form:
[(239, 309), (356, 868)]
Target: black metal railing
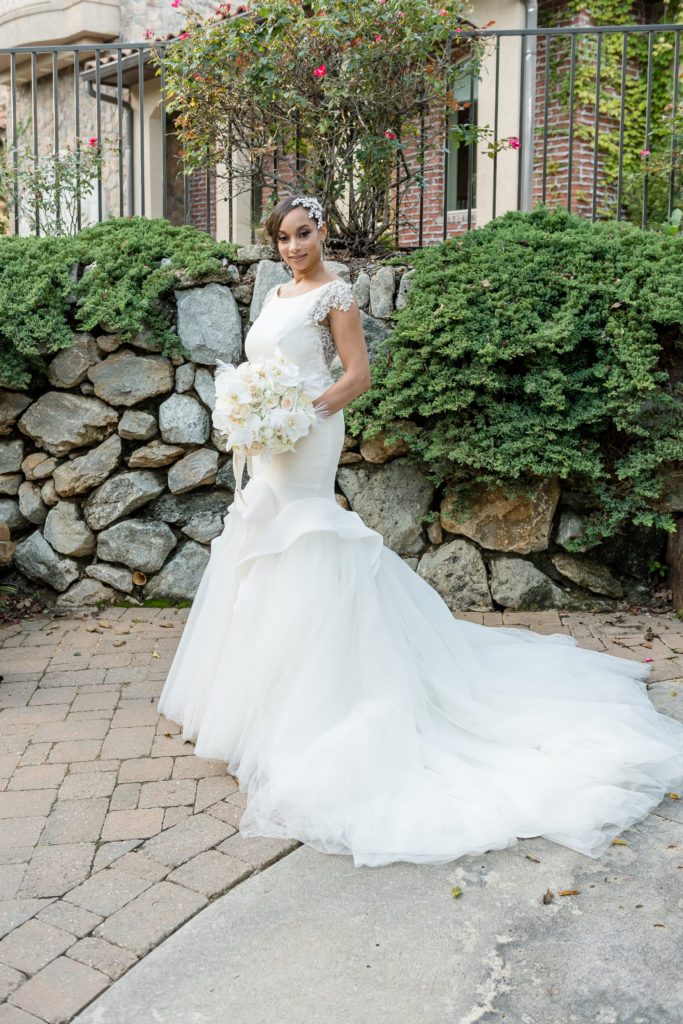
[(569, 109)]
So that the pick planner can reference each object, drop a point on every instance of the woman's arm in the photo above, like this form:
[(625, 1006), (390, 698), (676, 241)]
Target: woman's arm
[(347, 332)]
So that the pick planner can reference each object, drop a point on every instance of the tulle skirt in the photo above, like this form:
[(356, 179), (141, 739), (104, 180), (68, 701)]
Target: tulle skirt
[(361, 718)]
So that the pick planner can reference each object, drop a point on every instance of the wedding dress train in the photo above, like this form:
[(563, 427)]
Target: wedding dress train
[(358, 714)]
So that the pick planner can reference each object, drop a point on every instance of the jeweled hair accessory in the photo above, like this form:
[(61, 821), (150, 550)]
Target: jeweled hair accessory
[(314, 208)]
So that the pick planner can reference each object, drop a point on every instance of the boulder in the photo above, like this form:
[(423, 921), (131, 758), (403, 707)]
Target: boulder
[(180, 509), (254, 253), (361, 290), (570, 527), (147, 340), (156, 454), (268, 275), (205, 386), (48, 492), (516, 583), (184, 378), (183, 420), (382, 285), (225, 476), (86, 593), (112, 575), (403, 289), (125, 378), (10, 482), (36, 559), (11, 455), (180, 577), (136, 425), (12, 404), (66, 531), (59, 421), (70, 366), (375, 332), (338, 269), (109, 342), (120, 495), (196, 469), (11, 514), (497, 523), (30, 466), (89, 470), (674, 559), (673, 491), (392, 499), (457, 571), (31, 504), (209, 324), (140, 545), (204, 527), (589, 574), (374, 449)]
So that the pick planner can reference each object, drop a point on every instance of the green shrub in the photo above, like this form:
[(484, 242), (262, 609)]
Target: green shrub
[(124, 290), (540, 345)]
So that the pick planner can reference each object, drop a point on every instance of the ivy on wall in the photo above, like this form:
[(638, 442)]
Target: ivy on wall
[(666, 121), (540, 345)]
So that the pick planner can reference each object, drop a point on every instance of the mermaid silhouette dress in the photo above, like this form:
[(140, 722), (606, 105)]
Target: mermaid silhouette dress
[(359, 716)]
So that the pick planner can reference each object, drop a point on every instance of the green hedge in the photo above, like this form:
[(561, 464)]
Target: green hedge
[(125, 289), (541, 345)]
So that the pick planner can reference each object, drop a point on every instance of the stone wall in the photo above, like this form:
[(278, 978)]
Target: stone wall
[(113, 483)]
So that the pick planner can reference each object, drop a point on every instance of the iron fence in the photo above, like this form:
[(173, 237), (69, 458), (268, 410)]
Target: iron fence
[(570, 101)]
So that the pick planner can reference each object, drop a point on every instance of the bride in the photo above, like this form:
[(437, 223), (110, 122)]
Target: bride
[(359, 715)]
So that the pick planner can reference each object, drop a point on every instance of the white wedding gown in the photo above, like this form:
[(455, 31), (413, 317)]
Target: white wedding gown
[(358, 714)]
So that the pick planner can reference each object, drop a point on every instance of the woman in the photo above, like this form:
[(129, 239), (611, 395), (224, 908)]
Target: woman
[(359, 715)]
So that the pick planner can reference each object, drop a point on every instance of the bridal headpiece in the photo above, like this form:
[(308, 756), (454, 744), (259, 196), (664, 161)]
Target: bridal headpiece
[(314, 208)]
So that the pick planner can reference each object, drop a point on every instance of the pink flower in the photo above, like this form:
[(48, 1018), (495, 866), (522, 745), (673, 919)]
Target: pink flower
[(460, 30), (390, 135), (514, 142), (649, 659), (322, 70), (184, 35), (92, 142), (400, 14), (196, 77), (645, 152), (176, 3), (148, 34), (443, 11), (378, 39)]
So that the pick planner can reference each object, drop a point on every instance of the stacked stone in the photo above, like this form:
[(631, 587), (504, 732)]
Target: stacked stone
[(113, 483)]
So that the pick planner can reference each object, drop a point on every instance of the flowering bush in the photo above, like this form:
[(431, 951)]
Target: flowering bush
[(263, 407), (49, 189), (336, 92)]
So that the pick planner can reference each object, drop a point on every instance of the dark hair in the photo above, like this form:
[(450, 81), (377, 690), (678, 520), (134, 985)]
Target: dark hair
[(277, 215)]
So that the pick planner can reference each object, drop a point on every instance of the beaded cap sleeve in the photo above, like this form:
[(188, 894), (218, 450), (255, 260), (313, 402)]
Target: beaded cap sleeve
[(337, 295)]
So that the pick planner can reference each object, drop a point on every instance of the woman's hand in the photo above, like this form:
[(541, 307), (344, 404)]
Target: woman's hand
[(348, 336)]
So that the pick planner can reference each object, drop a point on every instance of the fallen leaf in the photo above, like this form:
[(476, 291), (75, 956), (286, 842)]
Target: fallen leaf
[(619, 842), (547, 896), (155, 653), (659, 926), (569, 892), (167, 625), (104, 625), (118, 643), (672, 692), (92, 629), (170, 734), (534, 859), (456, 892), (645, 643), (674, 796)]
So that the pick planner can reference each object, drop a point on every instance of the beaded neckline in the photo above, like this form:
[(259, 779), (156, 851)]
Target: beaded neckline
[(316, 289)]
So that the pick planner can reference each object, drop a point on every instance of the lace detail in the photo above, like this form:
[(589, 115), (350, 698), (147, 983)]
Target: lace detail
[(337, 295)]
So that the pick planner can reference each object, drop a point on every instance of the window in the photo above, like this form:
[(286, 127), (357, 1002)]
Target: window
[(458, 154)]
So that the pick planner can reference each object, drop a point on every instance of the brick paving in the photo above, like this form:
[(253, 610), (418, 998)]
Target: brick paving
[(112, 833)]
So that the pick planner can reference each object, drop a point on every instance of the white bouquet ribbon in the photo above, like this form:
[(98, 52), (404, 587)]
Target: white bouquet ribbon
[(263, 407)]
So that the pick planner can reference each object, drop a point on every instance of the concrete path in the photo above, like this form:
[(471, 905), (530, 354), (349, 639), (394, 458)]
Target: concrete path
[(113, 835)]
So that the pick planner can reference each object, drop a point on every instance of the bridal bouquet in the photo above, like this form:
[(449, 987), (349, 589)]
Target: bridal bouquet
[(262, 406)]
